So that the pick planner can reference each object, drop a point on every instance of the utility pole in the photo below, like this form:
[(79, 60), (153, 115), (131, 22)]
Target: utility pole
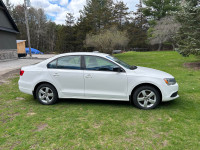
[(7, 3), (27, 25), (140, 8)]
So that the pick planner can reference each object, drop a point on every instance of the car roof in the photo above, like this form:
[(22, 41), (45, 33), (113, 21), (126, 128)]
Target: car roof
[(43, 63), (84, 53)]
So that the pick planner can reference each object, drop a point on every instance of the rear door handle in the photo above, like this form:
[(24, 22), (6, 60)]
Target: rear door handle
[(55, 74)]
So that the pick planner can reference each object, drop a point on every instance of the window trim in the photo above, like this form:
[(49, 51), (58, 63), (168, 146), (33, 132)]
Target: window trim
[(84, 64), (81, 67)]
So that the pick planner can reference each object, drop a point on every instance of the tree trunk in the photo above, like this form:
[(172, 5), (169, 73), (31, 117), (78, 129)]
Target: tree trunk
[(38, 40), (160, 45), (173, 46)]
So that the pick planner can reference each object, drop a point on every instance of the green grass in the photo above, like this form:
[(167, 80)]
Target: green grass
[(79, 124)]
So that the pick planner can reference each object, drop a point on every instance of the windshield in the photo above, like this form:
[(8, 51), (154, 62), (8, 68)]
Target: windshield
[(119, 62)]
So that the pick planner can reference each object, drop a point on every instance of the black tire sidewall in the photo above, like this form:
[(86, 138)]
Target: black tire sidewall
[(55, 94), (138, 90)]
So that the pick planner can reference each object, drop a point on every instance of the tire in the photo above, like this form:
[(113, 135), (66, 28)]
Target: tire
[(146, 97), (46, 94)]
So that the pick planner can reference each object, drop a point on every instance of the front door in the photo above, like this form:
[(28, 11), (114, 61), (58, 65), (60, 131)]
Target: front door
[(101, 82)]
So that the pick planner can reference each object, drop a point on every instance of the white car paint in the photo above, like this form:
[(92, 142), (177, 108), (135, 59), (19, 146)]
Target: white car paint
[(88, 84), (105, 85)]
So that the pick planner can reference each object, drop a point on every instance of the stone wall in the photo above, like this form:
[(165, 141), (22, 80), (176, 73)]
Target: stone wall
[(8, 54)]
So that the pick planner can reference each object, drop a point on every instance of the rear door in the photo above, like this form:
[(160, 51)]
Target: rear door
[(67, 74)]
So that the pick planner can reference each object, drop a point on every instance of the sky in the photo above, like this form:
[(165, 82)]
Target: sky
[(56, 10)]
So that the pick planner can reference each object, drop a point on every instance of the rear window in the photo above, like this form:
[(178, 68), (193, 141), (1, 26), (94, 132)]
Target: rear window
[(66, 62)]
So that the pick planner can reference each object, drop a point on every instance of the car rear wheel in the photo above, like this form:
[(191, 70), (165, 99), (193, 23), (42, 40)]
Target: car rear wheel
[(46, 94), (146, 97)]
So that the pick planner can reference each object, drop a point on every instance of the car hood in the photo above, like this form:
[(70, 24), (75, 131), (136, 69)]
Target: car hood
[(144, 71)]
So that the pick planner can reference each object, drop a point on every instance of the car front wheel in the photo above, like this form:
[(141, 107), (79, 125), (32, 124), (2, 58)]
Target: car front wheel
[(46, 94), (146, 97)]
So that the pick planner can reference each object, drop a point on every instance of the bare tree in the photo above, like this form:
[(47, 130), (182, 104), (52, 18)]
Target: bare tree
[(107, 40), (165, 31), (9, 6), (40, 25)]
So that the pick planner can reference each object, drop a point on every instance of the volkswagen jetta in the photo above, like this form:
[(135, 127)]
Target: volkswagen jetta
[(96, 76)]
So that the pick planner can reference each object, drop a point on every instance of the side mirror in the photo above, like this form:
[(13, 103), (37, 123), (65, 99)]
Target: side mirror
[(117, 69), (133, 67)]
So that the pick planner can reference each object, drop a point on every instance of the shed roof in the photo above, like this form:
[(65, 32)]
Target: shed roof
[(19, 41), (6, 12)]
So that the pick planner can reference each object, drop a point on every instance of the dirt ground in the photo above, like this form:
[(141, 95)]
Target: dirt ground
[(4, 78), (194, 65)]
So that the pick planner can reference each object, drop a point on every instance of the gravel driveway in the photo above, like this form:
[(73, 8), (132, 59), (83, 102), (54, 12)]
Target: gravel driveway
[(8, 68)]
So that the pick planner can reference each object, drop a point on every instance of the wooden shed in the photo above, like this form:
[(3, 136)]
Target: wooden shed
[(21, 51)]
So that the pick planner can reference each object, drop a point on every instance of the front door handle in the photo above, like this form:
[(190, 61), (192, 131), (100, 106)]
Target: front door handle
[(88, 76)]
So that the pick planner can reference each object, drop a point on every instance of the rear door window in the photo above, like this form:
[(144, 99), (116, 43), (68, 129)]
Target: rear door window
[(69, 62)]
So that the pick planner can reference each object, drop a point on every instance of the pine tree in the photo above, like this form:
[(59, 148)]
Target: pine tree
[(61, 39), (137, 29), (98, 14), (157, 9), (189, 34), (120, 13), (70, 20), (70, 33)]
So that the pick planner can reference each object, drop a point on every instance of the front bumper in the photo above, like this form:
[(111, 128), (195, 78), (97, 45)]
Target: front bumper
[(170, 98), (170, 93)]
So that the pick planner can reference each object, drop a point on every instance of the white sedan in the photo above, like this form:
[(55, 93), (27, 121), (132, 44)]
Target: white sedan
[(96, 76)]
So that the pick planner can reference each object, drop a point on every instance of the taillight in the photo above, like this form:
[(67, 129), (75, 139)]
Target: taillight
[(21, 72)]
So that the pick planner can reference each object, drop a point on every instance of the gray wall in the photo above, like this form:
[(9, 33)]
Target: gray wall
[(8, 46), (7, 40)]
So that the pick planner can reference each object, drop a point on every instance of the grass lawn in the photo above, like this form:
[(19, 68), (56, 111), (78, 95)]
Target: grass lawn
[(79, 124)]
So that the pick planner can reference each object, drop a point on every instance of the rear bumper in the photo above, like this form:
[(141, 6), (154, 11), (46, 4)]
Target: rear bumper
[(25, 88)]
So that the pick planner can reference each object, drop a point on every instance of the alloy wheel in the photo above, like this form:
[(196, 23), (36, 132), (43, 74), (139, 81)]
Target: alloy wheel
[(46, 95), (146, 98)]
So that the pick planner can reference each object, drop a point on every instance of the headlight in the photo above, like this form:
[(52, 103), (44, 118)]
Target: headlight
[(170, 81)]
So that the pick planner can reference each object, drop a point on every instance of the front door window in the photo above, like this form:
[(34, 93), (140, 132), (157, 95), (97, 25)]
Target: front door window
[(98, 64)]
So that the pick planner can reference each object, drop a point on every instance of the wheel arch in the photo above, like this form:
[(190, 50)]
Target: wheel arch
[(144, 84), (38, 84)]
